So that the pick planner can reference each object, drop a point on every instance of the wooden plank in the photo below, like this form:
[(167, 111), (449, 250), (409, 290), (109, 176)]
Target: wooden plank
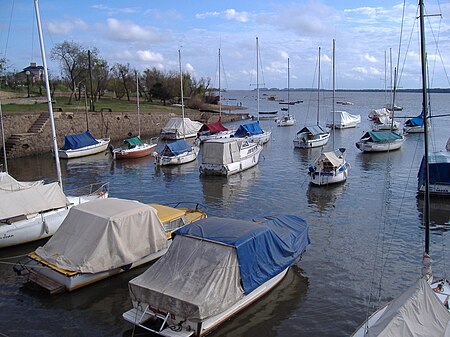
[(47, 283)]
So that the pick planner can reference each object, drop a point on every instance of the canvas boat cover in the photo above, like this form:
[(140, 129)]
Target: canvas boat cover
[(332, 158), (77, 141), (379, 112), (416, 313), (313, 129), (221, 151), (247, 130), (133, 141), (343, 117), (104, 234), (210, 261), (213, 127), (438, 166), (9, 184), (175, 124), (382, 136), (175, 148), (33, 198), (416, 121)]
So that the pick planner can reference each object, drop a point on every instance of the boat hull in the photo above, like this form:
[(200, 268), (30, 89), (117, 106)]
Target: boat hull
[(138, 151), (101, 146), (368, 146), (176, 135), (326, 178), (182, 158), (302, 141), (262, 138)]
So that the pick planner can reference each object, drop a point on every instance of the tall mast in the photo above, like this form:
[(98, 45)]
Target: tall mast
[(334, 85), (49, 98), (423, 56), (182, 96), (137, 102), (257, 75), (318, 92), (220, 95), (289, 102), (3, 139)]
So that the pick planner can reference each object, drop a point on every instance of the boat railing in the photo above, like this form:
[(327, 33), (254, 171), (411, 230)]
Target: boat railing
[(100, 189), (198, 206)]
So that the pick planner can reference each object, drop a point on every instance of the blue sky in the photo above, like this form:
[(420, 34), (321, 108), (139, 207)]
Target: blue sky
[(148, 34)]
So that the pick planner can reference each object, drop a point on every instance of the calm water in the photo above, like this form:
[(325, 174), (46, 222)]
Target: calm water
[(365, 234)]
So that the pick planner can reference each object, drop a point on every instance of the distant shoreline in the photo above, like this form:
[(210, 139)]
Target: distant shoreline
[(435, 90)]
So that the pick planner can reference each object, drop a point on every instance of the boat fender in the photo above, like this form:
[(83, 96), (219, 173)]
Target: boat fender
[(46, 229), (312, 169)]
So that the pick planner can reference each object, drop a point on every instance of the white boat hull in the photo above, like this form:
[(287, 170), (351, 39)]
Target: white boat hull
[(413, 129), (262, 138), (176, 135), (188, 328), (219, 135), (368, 146), (436, 189), (101, 146), (39, 226), (286, 121), (183, 158), (326, 178), (302, 141), (342, 125)]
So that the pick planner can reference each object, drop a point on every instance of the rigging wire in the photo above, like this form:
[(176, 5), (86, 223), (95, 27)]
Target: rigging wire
[(9, 28)]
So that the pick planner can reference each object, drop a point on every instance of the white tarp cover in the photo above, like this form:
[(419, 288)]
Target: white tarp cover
[(221, 151), (104, 234), (9, 184), (343, 118), (174, 283), (33, 199), (379, 112), (331, 157), (175, 124), (416, 313)]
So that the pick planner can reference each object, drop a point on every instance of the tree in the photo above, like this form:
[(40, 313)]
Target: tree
[(124, 73)]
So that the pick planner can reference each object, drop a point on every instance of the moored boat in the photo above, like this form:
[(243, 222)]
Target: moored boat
[(134, 147), (380, 141), (100, 239), (214, 131), (342, 120), (177, 153), (174, 128), (311, 136), (228, 156), (218, 267), (81, 145), (253, 133), (439, 174), (414, 125), (329, 168)]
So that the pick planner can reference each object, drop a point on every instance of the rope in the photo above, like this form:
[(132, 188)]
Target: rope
[(9, 29)]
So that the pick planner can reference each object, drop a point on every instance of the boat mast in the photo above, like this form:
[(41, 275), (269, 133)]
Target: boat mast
[(3, 139), (182, 96), (289, 102), (49, 98), (257, 76), (220, 95), (334, 85), (423, 56), (318, 92), (137, 102)]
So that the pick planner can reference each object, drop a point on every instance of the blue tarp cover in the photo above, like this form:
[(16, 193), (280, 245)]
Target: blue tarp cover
[(264, 248), (76, 141), (313, 129), (416, 121), (382, 136), (246, 130), (176, 148), (439, 168)]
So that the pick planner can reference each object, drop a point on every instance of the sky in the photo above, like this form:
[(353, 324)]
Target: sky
[(148, 34)]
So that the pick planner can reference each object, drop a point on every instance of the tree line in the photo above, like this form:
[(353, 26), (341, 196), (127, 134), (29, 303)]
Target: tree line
[(84, 71)]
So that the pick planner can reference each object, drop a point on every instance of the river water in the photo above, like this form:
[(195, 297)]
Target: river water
[(366, 238)]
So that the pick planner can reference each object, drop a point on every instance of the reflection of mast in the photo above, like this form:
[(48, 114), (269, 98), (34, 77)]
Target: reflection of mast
[(49, 99)]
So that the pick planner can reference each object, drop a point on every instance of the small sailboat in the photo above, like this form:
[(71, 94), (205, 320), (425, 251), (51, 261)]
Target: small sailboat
[(422, 310), (380, 141), (81, 145), (315, 135), (287, 119), (178, 152), (134, 147), (414, 125), (213, 270), (330, 167), (343, 120)]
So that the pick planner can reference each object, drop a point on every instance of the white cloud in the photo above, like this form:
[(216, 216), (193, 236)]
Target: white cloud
[(370, 58), (284, 55), (66, 26), (129, 31), (189, 68), (149, 56), (229, 14), (114, 11), (371, 71)]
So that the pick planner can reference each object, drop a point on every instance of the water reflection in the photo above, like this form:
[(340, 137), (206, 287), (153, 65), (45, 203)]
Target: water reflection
[(439, 211), (324, 198)]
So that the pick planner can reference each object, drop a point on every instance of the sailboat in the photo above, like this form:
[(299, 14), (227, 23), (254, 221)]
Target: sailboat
[(178, 152), (31, 211), (134, 147), (288, 119), (314, 135), (422, 310), (330, 167), (414, 125), (253, 131)]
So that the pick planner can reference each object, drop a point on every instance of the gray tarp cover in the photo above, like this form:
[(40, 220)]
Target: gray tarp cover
[(176, 124), (221, 151), (178, 287), (104, 234), (24, 198), (416, 313)]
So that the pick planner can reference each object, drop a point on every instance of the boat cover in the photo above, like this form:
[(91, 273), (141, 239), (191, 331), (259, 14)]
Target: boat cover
[(221, 151), (313, 129), (247, 130), (199, 278), (374, 114), (175, 148), (417, 312), (330, 157), (416, 121), (133, 141), (438, 166), (77, 141), (32, 199), (104, 234), (9, 184), (213, 127), (175, 125), (343, 117), (382, 136)]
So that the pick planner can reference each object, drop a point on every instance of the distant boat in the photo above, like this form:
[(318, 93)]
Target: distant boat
[(253, 133), (174, 128), (271, 112), (228, 156), (287, 119), (81, 145), (214, 131), (396, 107), (380, 141), (212, 271), (344, 103), (414, 125), (342, 120)]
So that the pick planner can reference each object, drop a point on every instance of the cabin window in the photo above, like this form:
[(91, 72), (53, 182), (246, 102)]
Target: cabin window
[(174, 224)]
